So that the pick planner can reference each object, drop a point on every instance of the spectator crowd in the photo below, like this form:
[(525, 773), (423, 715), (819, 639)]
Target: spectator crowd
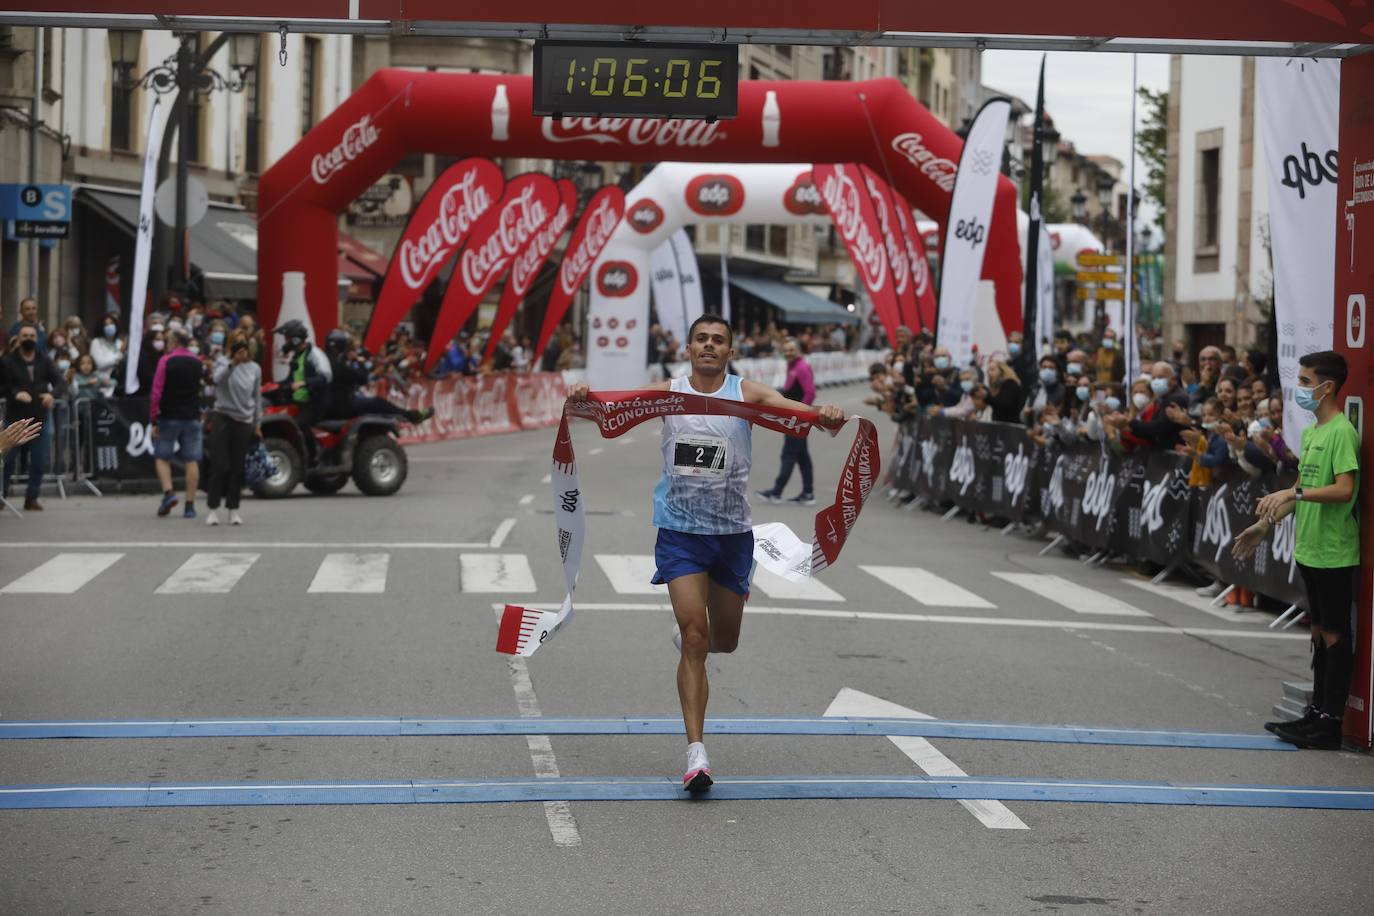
[(1218, 412)]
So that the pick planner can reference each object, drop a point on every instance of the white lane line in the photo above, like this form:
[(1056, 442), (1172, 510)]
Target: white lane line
[(62, 575), (1078, 598), (351, 573), (527, 499), (208, 574), (1185, 595), (630, 573), (926, 587), (547, 478), (625, 440), (991, 814), (502, 530), (837, 614), (562, 824), (775, 586), (260, 545), (598, 450), (496, 573)]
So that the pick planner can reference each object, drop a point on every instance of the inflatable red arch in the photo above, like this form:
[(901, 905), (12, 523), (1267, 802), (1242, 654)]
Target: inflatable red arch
[(400, 112)]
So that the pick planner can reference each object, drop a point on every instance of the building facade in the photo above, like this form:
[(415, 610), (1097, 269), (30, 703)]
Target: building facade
[(1218, 265)]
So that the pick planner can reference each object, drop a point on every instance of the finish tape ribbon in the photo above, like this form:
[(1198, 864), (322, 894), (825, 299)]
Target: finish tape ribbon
[(524, 630)]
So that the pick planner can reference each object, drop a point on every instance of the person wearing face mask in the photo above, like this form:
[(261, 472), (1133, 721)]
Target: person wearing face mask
[(29, 384), (1046, 391), (77, 337), (1327, 545), (1208, 448), (154, 345), (1161, 421), (1020, 357), (107, 349), (963, 409), (1109, 364)]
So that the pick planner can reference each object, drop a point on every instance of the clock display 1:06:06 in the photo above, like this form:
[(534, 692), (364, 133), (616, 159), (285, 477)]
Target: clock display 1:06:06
[(636, 85)]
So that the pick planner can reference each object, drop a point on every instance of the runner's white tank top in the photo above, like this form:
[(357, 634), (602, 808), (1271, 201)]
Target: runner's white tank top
[(706, 460)]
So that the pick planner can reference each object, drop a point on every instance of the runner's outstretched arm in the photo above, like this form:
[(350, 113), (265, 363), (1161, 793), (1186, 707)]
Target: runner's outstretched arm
[(758, 393)]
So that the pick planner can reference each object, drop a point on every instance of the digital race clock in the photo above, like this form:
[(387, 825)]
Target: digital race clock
[(636, 79)]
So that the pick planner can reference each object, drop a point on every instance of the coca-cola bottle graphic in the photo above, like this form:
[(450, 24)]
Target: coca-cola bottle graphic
[(293, 307), (772, 119), (500, 114)]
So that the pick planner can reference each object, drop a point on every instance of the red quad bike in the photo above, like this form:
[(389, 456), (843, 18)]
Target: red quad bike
[(364, 448)]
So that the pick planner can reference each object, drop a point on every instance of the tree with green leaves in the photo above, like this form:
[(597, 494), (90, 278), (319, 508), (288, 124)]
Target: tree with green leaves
[(1152, 145)]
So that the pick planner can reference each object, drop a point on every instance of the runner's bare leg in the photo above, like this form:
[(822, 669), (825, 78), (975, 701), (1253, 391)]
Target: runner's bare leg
[(716, 630)]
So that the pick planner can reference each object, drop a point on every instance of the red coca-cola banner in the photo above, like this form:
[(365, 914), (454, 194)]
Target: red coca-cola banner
[(529, 261), (529, 202), (456, 201), (857, 223), (884, 203), (481, 405), (921, 283), (593, 231)]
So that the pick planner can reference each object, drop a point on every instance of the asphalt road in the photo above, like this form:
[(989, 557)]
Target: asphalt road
[(163, 632)]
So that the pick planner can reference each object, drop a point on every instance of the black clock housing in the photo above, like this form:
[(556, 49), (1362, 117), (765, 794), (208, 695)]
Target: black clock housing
[(636, 79)]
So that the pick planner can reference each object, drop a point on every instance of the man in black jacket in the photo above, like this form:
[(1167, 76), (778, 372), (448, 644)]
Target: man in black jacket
[(29, 383), (351, 373)]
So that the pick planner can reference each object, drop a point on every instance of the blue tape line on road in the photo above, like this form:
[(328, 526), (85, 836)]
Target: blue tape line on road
[(754, 788), (642, 725)]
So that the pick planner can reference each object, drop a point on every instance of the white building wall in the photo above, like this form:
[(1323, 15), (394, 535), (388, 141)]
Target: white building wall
[(1211, 100)]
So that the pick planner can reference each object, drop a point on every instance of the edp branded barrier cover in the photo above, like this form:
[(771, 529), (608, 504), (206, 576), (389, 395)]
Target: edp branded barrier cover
[(1137, 504)]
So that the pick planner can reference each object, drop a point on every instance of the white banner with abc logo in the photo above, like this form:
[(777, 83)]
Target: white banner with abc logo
[(966, 229), (1299, 108)]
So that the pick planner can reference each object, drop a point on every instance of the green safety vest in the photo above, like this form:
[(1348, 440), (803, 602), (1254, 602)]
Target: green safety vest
[(302, 394)]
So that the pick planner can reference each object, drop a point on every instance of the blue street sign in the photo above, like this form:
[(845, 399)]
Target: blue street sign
[(36, 203)]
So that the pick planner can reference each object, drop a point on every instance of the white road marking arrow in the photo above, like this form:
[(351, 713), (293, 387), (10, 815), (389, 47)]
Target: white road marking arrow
[(992, 814)]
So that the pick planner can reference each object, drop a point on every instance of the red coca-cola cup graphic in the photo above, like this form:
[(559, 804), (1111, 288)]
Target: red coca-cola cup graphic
[(603, 341), (616, 280), (645, 216), (622, 342), (715, 195)]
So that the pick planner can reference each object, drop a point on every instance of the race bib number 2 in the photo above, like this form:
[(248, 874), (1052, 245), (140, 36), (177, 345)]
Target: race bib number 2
[(699, 456)]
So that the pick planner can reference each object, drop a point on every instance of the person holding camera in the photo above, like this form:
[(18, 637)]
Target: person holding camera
[(235, 420)]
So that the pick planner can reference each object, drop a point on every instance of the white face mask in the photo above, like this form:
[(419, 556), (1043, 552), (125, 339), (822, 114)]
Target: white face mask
[(1140, 399)]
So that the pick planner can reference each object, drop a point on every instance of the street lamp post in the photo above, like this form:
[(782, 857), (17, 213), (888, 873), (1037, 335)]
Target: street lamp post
[(1105, 185), (187, 73)]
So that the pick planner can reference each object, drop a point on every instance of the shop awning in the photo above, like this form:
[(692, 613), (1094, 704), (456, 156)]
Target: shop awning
[(224, 244), (796, 304)]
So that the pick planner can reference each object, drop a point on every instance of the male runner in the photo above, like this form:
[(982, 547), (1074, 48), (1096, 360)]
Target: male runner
[(705, 543)]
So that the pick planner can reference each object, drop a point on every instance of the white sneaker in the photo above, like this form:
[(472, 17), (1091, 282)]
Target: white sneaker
[(211, 518), (677, 637), (235, 518), (698, 775), (1211, 591)]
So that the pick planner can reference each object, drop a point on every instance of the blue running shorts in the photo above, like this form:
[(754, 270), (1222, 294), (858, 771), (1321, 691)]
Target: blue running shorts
[(727, 558)]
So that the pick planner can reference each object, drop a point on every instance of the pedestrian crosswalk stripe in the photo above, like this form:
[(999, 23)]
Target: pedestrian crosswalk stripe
[(1078, 598), (496, 573), (351, 573), (208, 573), (775, 586), (630, 573), (926, 587), (62, 575)]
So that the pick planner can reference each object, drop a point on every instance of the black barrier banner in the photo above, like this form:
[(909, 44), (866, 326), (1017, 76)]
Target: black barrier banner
[(1153, 510), (936, 475), (1224, 510), (119, 440), (1082, 489)]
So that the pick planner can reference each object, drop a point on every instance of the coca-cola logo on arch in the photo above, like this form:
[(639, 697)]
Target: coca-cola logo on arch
[(715, 195), (669, 132), (803, 198), (616, 279), (356, 138), (937, 168), (645, 216)]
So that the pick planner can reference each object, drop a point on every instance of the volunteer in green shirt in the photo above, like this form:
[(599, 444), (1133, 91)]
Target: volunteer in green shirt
[(1327, 547)]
